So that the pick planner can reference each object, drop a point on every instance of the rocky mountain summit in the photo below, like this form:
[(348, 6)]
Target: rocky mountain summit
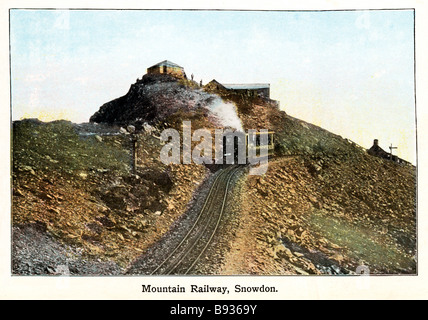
[(158, 99)]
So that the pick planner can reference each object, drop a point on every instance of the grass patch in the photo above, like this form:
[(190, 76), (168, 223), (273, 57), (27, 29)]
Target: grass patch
[(362, 243), (57, 146)]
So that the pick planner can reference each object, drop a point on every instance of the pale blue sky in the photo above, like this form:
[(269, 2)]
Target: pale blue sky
[(350, 72)]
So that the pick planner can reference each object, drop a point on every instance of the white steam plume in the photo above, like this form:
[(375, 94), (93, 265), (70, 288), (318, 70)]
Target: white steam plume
[(226, 113)]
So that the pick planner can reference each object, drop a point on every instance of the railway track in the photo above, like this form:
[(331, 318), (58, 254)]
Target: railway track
[(184, 256)]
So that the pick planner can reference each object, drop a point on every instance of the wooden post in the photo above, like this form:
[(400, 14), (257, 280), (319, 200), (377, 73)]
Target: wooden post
[(134, 153)]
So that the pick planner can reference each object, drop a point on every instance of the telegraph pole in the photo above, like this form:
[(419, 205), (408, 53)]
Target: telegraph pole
[(390, 151)]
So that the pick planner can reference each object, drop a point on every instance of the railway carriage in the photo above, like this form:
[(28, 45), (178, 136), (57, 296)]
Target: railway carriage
[(238, 147)]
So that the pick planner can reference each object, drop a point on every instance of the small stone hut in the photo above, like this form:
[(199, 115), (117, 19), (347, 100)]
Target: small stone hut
[(167, 67)]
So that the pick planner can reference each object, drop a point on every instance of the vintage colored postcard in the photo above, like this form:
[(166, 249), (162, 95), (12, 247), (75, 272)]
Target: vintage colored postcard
[(147, 143)]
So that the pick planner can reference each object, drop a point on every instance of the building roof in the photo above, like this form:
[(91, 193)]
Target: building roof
[(245, 86), (166, 63), (215, 82)]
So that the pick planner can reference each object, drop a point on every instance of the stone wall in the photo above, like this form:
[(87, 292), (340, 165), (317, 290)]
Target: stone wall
[(174, 71)]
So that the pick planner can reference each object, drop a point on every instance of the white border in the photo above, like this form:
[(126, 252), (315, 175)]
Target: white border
[(290, 287)]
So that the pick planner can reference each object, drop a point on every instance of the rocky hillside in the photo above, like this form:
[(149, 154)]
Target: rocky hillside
[(324, 206), (326, 216), (76, 202)]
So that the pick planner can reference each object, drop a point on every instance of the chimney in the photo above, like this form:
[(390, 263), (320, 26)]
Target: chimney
[(376, 142)]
